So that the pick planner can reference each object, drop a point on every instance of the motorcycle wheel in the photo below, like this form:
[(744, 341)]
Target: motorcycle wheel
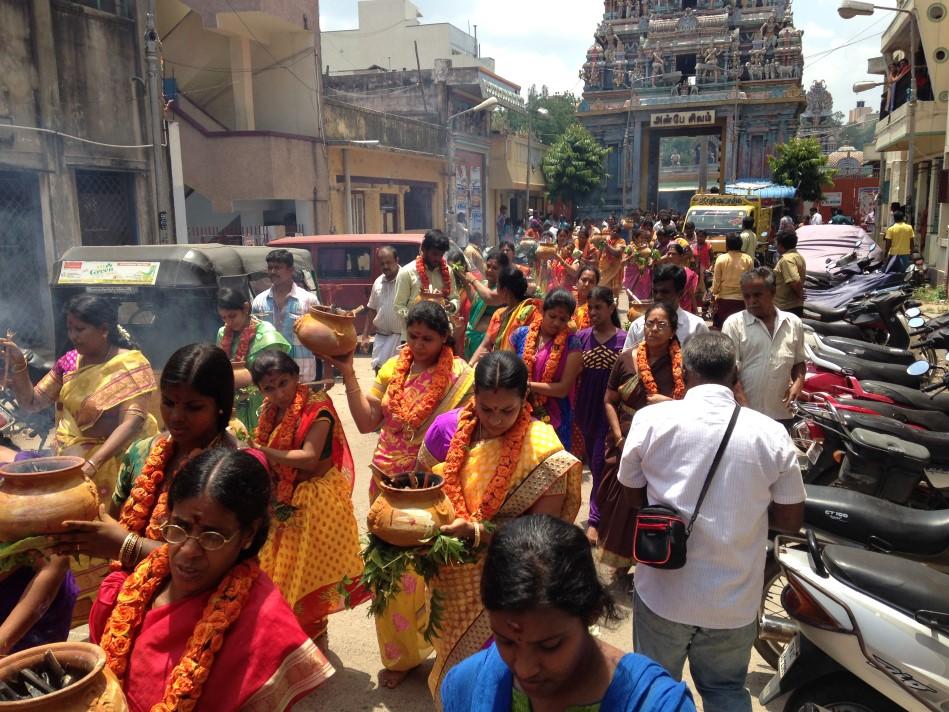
[(840, 692), (774, 583)]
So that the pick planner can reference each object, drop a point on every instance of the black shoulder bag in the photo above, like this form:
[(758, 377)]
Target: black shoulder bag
[(661, 533)]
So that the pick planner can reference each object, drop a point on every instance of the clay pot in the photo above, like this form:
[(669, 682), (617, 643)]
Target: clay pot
[(637, 309), (37, 495), (328, 331), (99, 690), (546, 250), (407, 517)]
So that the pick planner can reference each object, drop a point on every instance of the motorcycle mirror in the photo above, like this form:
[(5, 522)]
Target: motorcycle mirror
[(917, 322), (912, 312), (919, 368)]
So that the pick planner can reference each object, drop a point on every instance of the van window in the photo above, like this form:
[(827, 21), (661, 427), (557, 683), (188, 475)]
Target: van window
[(337, 262), (407, 253)]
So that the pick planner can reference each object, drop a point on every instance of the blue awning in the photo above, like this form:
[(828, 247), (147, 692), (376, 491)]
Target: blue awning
[(761, 189)]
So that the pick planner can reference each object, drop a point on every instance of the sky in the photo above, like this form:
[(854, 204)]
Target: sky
[(544, 42)]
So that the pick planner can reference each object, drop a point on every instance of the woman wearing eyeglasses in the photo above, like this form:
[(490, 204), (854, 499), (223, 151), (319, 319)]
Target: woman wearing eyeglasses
[(313, 552), (197, 625), (649, 373)]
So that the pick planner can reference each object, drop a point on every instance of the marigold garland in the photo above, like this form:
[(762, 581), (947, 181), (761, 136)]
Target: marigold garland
[(426, 282), (413, 416), (531, 342), (186, 681), (645, 371), (458, 452), (279, 436), (147, 507), (582, 317), (243, 346)]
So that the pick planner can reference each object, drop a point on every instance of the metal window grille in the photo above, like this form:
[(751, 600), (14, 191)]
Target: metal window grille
[(106, 210), (22, 271)]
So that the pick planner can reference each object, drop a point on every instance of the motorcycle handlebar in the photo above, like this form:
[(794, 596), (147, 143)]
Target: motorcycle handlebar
[(931, 387)]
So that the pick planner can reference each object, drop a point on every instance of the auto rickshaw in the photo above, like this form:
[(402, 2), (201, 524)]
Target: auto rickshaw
[(166, 294)]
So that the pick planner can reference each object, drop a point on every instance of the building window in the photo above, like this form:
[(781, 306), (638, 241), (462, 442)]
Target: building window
[(359, 212), (418, 208), (106, 208), (22, 270), (123, 8), (389, 205)]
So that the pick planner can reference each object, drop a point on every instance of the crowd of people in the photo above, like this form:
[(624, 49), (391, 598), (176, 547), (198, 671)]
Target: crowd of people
[(236, 520)]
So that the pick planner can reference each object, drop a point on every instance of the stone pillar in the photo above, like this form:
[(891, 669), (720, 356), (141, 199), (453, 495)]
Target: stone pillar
[(636, 158), (933, 202), (243, 78)]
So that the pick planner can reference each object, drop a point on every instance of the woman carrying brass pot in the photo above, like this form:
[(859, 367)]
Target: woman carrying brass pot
[(425, 380), (498, 463)]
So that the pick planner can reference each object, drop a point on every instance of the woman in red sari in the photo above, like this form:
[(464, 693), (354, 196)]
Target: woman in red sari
[(313, 551), (197, 625)]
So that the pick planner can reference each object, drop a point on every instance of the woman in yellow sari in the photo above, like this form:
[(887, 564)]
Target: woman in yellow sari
[(498, 464), (518, 312), (411, 390), (312, 552), (104, 396)]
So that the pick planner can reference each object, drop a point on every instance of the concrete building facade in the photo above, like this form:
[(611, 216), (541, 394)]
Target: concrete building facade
[(74, 163)]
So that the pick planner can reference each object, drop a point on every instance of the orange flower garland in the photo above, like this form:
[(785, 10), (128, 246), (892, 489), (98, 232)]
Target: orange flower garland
[(553, 361), (279, 436), (147, 507), (582, 317), (458, 452), (645, 372), (413, 416), (426, 282), (243, 346), (183, 689)]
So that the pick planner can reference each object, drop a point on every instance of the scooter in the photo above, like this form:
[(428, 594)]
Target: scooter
[(874, 630), (861, 368), (874, 318), (851, 518), (924, 349)]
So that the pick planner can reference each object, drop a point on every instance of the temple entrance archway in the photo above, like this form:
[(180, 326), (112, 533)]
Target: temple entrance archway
[(658, 184)]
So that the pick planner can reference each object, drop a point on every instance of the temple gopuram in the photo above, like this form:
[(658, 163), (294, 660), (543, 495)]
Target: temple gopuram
[(726, 73)]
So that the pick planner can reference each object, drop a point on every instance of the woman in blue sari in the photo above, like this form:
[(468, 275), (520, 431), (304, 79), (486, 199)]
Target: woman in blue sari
[(543, 653)]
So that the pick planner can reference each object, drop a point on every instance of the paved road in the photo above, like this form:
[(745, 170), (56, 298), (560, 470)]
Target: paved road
[(352, 635)]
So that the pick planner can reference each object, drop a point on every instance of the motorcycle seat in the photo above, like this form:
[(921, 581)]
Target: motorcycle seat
[(935, 442), (871, 352), (930, 419), (876, 523), (826, 313), (908, 586), (835, 328), (861, 368), (907, 396)]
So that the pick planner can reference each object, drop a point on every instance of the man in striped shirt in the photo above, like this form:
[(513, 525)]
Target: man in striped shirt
[(283, 304), (707, 610)]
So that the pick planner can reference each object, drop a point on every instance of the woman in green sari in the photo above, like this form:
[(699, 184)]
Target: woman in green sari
[(243, 337), (484, 301), (518, 310)]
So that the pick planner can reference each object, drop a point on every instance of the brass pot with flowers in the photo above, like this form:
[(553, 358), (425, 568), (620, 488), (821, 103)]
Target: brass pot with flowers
[(405, 536)]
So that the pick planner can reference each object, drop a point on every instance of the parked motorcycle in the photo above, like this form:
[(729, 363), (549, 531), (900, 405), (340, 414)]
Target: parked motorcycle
[(874, 318), (874, 630)]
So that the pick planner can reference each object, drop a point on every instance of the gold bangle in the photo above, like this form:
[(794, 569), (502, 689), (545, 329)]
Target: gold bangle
[(21, 369), (357, 389), (126, 549), (477, 535)]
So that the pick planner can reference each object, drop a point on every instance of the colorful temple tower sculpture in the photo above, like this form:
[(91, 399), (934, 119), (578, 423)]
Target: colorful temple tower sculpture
[(817, 121), (725, 69)]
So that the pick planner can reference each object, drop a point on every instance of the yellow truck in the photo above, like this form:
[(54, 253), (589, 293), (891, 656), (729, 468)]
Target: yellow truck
[(722, 213)]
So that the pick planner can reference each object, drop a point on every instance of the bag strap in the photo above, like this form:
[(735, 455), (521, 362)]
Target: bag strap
[(713, 468)]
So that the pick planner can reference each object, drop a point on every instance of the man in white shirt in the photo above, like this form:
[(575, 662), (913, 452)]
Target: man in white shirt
[(707, 610), (769, 346), (409, 282), (816, 217), (668, 285), (381, 307)]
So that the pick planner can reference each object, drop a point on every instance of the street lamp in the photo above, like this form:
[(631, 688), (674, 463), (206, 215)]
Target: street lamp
[(860, 87), (530, 123), (488, 103), (851, 8)]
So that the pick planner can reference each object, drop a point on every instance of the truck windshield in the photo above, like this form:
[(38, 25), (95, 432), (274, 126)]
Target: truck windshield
[(717, 219)]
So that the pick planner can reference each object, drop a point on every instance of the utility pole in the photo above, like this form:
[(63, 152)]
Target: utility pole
[(321, 191), (156, 132)]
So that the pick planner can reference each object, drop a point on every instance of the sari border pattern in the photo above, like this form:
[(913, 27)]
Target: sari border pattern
[(298, 675)]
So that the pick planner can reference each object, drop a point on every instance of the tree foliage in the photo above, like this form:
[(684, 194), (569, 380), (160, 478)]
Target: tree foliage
[(574, 167), (561, 113), (800, 164), (857, 135)]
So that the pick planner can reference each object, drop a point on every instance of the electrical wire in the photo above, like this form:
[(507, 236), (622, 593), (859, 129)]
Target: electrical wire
[(74, 138)]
